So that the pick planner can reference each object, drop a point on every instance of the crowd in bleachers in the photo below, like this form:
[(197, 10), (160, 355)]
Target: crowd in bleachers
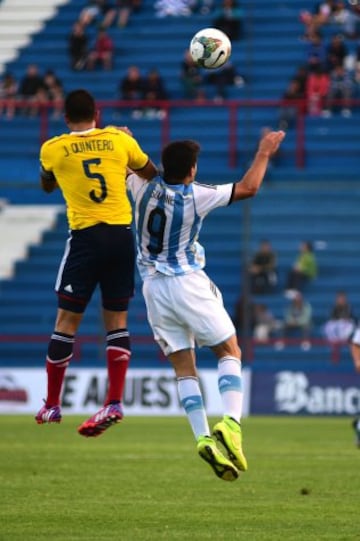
[(330, 70), (328, 79), (33, 90), (136, 86), (90, 47), (297, 317), (105, 13)]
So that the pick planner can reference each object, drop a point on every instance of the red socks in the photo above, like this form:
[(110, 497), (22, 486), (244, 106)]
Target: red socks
[(118, 357)]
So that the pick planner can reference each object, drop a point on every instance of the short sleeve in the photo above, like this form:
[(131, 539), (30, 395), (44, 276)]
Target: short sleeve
[(208, 197), (137, 157), (134, 184), (45, 158)]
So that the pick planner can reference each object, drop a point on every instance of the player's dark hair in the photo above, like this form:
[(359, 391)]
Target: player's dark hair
[(177, 159), (80, 106)]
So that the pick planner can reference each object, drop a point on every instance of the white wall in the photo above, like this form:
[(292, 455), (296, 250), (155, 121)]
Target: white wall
[(21, 226), (19, 20)]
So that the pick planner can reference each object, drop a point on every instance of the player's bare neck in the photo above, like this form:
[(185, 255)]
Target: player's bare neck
[(173, 182), (81, 126), (186, 181)]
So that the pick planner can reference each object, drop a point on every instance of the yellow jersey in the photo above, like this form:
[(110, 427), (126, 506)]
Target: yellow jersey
[(90, 170)]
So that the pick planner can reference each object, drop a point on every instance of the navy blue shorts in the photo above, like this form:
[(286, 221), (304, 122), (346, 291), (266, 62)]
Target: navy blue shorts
[(102, 255)]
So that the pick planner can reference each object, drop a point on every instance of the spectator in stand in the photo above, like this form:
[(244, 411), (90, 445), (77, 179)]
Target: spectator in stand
[(103, 51), (131, 88), (342, 320), (223, 78), (301, 75), (341, 88), (263, 269), (342, 16), (54, 92), (154, 86), (304, 270), (132, 85), (317, 88), (31, 89), (316, 52), (78, 47), (191, 77), (345, 15), (89, 13), (297, 318), (8, 92), (204, 7), (125, 9), (336, 52), (51, 94), (154, 90), (321, 15), (228, 18), (174, 8), (100, 11), (265, 323), (292, 98), (352, 30)]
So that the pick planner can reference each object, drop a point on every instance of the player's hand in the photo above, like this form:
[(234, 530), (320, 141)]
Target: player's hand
[(125, 129), (270, 143)]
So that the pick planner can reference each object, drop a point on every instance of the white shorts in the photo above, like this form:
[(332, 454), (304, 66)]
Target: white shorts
[(184, 310)]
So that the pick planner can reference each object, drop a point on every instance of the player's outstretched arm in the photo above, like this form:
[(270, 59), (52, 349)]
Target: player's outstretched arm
[(249, 185), (148, 172)]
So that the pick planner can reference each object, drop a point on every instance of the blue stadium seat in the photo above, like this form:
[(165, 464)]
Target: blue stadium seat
[(319, 202)]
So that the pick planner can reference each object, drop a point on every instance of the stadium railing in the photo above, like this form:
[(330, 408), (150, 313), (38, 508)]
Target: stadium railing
[(234, 107), (249, 346)]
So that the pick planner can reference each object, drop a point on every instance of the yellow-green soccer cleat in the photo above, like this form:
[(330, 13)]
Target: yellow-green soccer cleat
[(222, 467), (228, 433)]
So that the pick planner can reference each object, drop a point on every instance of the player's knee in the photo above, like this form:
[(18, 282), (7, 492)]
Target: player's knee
[(67, 321), (229, 347)]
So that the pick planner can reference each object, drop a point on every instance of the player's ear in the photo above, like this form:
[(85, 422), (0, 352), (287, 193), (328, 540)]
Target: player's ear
[(97, 117)]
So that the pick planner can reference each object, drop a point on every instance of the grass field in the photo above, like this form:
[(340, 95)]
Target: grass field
[(143, 481)]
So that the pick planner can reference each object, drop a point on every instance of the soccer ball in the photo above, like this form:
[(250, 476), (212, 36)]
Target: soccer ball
[(210, 48)]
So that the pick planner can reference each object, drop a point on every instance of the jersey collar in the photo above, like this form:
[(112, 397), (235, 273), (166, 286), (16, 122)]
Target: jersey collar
[(82, 132)]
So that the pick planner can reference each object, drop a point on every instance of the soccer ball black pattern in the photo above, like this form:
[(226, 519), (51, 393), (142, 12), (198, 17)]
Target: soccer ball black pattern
[(210, 48)]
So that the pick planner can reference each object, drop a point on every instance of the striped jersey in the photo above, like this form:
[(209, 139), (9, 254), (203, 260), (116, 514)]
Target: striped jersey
[(90, 169), (168, 221)]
